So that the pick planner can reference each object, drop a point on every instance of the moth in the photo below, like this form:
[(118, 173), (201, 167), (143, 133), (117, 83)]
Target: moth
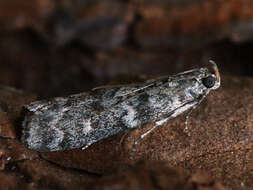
[(80, 120)]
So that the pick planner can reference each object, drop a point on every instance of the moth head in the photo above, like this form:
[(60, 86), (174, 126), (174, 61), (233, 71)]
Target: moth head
[(212, 80)]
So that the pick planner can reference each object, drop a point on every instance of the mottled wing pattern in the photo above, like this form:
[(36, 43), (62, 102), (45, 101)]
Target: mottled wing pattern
[(82, 119), (58, 123)]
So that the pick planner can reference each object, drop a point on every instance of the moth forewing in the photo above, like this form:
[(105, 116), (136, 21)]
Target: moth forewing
[(80, 120)]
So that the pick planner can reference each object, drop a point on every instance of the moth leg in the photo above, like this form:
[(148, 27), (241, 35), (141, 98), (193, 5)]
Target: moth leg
[(186, 129), (86, 146), (158, 123)]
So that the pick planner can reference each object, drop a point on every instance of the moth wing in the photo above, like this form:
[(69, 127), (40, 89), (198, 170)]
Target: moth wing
[(58, 123), (124, 90), (137, 88), (131, 89), (108, 96)]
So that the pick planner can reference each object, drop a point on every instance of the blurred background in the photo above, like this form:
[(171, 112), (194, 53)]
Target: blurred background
[(61, 47)]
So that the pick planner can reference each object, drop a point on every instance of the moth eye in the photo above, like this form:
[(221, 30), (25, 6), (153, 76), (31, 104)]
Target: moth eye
[(209, 81)]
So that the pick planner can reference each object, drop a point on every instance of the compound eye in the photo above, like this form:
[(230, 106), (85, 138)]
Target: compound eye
[(209, 81)]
